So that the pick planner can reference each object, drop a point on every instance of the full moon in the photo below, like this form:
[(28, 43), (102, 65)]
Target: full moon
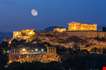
[(34, 12)]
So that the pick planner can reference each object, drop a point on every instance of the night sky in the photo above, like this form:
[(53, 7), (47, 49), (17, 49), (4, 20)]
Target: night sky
[(16, 14)]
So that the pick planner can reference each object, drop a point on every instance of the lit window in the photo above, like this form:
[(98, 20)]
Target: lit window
[(32, 50)]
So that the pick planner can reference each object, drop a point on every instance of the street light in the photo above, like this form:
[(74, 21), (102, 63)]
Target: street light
[(42, 50), (23, 51), (36, 49)]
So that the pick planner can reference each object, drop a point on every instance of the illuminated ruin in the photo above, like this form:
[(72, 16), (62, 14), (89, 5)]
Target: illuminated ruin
[(76, 26), (27, 35)]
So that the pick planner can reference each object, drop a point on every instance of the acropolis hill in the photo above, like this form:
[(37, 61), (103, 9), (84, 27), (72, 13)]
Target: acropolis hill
[(31, 45), (76, 36)]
